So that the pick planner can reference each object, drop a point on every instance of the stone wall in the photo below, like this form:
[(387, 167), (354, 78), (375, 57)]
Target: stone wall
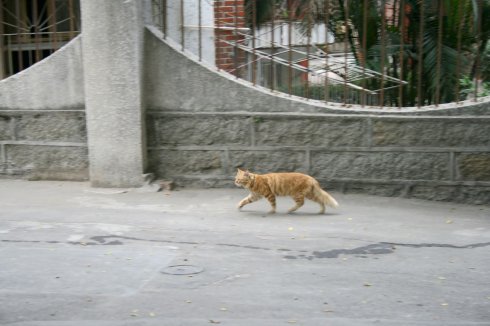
[(42, 119), (363, 153), (43, 144), (202, 126)]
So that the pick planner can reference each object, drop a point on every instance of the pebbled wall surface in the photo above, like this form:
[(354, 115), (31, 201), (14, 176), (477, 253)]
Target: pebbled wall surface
[(47, 144), (347, 153)]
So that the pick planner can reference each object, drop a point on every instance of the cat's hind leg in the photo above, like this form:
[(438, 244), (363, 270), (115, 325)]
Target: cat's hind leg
[(249, 199), (322, 208), (312, 197), (300, 200)]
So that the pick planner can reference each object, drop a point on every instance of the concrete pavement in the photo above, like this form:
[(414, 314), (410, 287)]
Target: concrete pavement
[(74, 255)]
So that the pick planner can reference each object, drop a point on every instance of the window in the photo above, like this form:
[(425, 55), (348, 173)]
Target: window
[(31, 30)]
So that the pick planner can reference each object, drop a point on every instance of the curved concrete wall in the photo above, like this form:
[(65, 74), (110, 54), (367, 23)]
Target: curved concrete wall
[(42, 119), (53, 83), (202, 125), (170, 73)]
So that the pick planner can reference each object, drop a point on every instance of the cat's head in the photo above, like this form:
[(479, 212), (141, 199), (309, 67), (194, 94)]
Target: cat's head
[(243, 178)]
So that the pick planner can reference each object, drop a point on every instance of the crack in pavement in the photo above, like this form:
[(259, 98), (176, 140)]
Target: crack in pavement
[(381, 248), (438, 245)]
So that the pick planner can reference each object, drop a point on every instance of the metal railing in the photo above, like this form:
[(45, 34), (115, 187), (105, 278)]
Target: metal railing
[(387, 53), (31, 30)]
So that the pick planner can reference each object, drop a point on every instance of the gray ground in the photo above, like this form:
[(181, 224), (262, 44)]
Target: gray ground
[(74, 255)]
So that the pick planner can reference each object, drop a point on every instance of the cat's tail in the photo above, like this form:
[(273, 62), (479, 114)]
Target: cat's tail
[(325, 197)]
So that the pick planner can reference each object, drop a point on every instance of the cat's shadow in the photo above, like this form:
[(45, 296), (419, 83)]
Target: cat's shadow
[(262, 214)]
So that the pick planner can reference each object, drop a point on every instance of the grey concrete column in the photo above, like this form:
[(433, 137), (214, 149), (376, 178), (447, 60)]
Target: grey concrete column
[(112, 43), (2, 59)]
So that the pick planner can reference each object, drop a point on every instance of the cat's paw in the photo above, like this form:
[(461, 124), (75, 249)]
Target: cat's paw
[(272, 211)]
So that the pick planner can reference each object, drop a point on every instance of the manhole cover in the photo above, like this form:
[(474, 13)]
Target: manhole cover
[(182, 270)]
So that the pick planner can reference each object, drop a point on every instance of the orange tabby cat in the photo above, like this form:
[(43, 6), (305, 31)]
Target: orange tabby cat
[(296, 185)]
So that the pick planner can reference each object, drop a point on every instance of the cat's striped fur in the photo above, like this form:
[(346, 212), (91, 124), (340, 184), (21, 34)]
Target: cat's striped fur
[(296, 185)]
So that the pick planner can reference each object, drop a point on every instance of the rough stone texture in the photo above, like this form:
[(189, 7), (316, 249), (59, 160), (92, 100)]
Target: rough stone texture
[(151, 130), (41, 144), (479, 195), (201, 130), (268, 161), (5, 132), (52, 126), (298, 131), (172, 163), (377, 189), (48, 162), (112, 59), (280, 145), (473, 166), (431, 132), (431, 192), (457, 193), (380, 165), (203, 182)]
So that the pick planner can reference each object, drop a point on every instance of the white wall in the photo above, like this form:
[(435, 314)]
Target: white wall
[(299, 36)]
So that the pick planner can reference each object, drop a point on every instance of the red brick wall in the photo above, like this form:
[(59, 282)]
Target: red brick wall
[(228, 15)]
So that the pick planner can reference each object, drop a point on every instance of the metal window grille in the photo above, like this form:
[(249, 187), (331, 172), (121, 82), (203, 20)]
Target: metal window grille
[(386, 53), (31, 30)]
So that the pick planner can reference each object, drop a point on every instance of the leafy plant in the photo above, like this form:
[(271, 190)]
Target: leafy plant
[(431, 44), (468, 88)]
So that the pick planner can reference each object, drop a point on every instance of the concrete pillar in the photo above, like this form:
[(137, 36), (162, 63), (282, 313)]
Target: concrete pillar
[(112, 44), (2, 50)]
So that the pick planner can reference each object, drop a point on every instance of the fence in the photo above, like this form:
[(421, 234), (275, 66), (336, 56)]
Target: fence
[(388, 53), (31, 30)]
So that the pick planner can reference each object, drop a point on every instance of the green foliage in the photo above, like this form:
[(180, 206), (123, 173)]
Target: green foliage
[(485, 63), (258, 120), (431, 44), (441, 42), (468, 88)]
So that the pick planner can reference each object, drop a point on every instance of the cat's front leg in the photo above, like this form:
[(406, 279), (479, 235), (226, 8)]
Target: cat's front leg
[(272, 200), (249, 199)]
